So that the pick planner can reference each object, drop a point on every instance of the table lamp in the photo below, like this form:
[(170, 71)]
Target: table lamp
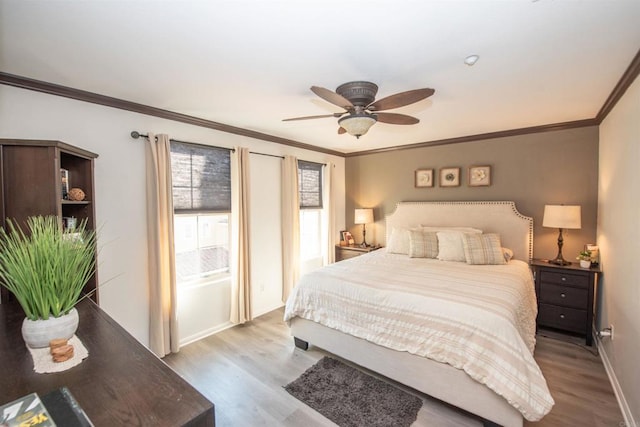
[(561, 216), (364, 216)]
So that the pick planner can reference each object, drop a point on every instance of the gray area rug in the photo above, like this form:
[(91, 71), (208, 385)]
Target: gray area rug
[(351, 398)]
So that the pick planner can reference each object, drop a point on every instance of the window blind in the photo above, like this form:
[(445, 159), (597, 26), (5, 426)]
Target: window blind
[(201, 178), (310, 184)]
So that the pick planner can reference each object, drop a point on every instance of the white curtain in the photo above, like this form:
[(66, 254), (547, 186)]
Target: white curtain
[(163, 318), (240, 262), (290, 226), (329, 217)]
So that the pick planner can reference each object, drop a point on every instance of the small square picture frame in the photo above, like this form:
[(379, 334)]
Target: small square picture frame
[(479, 176), (449, 177), (424, 178)]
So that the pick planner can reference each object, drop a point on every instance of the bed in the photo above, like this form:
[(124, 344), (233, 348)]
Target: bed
[(486, 369)]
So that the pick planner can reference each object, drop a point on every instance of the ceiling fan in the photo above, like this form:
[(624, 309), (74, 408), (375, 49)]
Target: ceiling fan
[(358, 100)]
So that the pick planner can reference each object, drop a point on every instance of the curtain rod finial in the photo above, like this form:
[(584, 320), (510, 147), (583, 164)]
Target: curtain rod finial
[(135, 134)]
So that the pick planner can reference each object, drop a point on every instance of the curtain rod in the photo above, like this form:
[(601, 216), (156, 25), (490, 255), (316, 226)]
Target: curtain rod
[(136, 135)]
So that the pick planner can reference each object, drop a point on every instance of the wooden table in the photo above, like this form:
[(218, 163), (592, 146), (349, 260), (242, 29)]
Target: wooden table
[(120, 383)]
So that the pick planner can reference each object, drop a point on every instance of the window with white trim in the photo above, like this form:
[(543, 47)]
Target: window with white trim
[(310, 194), (201, 178)]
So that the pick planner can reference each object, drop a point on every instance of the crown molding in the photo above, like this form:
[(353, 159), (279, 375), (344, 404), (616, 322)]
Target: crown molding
[(629, 76), (108, 101), (483, 136)]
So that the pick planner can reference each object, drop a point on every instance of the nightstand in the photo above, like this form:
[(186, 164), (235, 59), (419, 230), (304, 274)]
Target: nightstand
[(346, 252), (566, 297)]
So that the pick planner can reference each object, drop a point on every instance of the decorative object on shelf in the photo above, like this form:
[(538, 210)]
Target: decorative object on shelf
[(46, 271), (76, 194), (64, 176), (69, 223), (561, 217), (347, 237), (479, 176), (585, 259), (424, 178), (595, 253), (364, 217), (449, 177)]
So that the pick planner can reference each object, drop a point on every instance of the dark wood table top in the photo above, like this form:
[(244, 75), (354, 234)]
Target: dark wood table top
[(120, 383)]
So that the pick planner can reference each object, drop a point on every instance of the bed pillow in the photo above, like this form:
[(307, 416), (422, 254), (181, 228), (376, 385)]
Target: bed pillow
[(483, 249), (423, 244), (508, 254), (399, 240), (445, 228), (450, 245)]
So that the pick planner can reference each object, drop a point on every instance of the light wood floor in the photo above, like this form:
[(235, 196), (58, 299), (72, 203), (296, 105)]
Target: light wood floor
[(243, 370)]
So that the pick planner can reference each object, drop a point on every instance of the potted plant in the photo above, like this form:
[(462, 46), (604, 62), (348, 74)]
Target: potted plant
[(585, 259), (46, 269)]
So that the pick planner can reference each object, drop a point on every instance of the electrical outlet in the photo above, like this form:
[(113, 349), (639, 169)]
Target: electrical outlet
[(606, 332)]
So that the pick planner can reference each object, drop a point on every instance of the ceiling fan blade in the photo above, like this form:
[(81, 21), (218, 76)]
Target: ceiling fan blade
[(396, 119), (341, 130), (332, 97), (400, 99), (314, 117)]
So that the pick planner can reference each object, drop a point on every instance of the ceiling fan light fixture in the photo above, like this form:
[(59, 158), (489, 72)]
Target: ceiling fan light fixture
[(357, 124)]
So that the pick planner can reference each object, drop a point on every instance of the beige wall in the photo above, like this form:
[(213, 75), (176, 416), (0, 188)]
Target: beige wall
[(559, 167), (618, 237)]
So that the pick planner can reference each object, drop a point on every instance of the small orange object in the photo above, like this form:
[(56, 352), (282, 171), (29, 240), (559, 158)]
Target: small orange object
[(76, 194), (62, 353), (55, 343)]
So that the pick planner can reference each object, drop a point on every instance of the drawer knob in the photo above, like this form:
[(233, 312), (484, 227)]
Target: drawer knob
[(564, 279), (562, 316), (563, 295)]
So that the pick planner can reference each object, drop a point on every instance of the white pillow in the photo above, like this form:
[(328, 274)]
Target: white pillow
[(399, 241), (450, 246), (508, 254), (445, 228)]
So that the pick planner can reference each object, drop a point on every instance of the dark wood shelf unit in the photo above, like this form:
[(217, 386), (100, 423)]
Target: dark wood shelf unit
[(31, 185)]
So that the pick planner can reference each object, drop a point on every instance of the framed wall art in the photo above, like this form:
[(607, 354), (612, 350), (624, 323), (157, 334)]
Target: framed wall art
[(424, 178), (449, 177), (479, 176)]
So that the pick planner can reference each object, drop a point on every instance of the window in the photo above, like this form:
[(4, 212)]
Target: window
[(310, 192), (201, 178), (310, 184)]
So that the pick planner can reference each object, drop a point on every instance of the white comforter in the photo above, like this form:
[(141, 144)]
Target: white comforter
[(479, 318)]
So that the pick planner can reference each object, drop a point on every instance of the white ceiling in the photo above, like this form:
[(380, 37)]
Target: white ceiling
[(250, 63)]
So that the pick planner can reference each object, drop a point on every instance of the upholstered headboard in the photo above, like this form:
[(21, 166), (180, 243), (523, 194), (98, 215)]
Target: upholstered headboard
[(515, 229)]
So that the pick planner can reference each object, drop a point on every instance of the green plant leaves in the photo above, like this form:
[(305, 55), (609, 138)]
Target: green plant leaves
[(46, 268)]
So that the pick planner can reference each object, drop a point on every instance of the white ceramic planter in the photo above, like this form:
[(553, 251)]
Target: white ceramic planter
[(585, 263), (38, 333)]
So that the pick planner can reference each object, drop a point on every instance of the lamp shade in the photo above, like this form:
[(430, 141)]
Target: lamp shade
[(363, 216), (357, 124), (562, 216)]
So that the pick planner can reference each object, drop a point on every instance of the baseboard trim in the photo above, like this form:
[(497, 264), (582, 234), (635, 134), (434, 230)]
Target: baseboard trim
[(617, 390), (206, 333)]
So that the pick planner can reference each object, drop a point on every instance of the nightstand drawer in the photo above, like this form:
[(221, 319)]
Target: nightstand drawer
[(568, 319), (565, 296), (562, 278), (349, 254)]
